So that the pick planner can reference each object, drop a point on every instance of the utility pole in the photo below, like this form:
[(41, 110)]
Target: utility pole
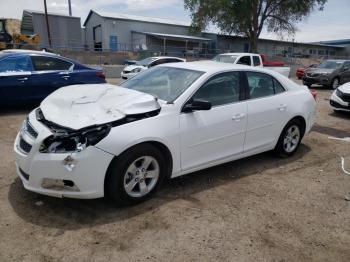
[(47, 24), (70, 7)]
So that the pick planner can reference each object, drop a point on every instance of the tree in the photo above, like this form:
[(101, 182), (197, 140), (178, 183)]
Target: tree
[(249, 17)]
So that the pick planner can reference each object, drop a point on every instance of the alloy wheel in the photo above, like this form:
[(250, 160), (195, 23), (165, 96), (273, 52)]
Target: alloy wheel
[(141, 176), (291, 139)]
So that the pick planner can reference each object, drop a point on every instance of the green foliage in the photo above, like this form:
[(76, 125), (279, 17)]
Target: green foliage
[(249, 17)]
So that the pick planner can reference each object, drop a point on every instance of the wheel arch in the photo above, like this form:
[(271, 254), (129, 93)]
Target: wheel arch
[(302, 121), (160, 146)]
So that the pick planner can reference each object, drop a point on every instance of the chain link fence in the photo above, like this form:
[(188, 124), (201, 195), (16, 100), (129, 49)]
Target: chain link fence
[(123, 53)]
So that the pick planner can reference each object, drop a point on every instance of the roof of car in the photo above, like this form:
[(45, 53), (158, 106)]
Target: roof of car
[(238, 54), (25, 51), (161, 57), (207, 66), (212, 67)]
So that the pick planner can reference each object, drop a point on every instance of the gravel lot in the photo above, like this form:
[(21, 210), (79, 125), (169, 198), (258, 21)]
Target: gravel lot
[(258, 209)]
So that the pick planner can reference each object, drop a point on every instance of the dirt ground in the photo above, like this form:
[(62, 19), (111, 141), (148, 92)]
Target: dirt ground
[(261, 208)]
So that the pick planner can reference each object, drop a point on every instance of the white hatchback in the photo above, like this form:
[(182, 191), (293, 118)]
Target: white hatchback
[(87, 141)]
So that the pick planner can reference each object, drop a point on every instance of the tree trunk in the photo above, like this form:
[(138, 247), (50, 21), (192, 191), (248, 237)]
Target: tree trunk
[(253, 41)]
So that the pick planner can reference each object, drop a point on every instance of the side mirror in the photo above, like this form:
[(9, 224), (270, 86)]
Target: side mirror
[(345, 68), (196, 105)]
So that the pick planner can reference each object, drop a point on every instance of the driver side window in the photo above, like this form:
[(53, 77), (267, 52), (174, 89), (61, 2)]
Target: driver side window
[(221, 89)]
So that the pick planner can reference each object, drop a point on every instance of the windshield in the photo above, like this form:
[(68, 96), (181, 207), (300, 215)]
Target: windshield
[(225, 58), (330, 64), (166, 83), (146, 62)]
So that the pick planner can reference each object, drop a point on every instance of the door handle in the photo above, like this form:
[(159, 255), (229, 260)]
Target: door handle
[(23, 79), (66, 77), (282, 107), (238, 117)]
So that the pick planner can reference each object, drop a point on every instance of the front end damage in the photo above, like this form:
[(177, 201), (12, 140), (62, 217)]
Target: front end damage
[(65, 161)]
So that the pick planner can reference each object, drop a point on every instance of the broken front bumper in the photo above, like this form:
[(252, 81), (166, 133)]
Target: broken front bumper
[(75, 175)]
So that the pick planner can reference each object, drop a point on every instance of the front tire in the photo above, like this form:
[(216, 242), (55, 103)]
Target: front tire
[(135, 175), (289, 139)]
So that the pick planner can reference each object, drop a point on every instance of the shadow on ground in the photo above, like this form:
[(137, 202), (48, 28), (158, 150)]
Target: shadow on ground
[(330, 131), (70, 214)]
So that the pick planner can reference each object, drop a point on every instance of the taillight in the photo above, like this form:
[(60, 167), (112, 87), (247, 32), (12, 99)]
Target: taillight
[(101, 75), (313, 93)]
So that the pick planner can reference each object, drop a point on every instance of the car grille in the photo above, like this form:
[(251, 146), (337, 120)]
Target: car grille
[(30, 129), (24, 146), (126, 72)]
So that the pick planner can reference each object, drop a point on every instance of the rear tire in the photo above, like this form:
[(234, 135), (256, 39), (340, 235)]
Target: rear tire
[(135, 175), (289, 139)]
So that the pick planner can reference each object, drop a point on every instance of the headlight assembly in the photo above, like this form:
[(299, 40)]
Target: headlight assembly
[(339, 93), (74, 141), (136, 70)]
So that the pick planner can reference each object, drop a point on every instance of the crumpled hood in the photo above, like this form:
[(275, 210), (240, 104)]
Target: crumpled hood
[(132, 67), (345, 88), (80, 106)]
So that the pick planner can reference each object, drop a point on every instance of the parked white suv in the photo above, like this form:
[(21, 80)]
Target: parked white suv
[(87, 141), (132, 70)]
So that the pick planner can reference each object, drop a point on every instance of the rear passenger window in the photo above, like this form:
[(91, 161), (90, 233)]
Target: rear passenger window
[(42, 63), (256, 60), (261, 85), (244, 60), (221, 89)]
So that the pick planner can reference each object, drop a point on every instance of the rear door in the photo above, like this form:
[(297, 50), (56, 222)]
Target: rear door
[(267, 111), (15, 79), (216, 134), (50, 73)]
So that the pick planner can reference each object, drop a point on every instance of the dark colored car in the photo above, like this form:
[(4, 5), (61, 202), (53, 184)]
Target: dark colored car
[(30, 76), (301, 71), (330, 73)]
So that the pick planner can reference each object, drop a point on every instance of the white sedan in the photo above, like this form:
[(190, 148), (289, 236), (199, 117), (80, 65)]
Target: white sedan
[(340, 99), (88, 141), (132, 70)]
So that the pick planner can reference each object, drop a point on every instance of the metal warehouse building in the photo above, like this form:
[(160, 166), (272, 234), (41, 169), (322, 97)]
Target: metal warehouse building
[(120, 32), (115, 32), (65, 30)]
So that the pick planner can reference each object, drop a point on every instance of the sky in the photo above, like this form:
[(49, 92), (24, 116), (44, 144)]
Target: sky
[(331, 23)]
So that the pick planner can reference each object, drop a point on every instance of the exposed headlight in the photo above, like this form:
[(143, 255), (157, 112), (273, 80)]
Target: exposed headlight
[(74, 141), (339, 93), (136, 70)]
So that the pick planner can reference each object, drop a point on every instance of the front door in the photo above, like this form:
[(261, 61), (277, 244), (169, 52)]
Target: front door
[(216, 134)]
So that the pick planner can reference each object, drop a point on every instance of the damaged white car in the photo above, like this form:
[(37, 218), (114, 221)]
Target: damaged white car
[(95, 140)]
